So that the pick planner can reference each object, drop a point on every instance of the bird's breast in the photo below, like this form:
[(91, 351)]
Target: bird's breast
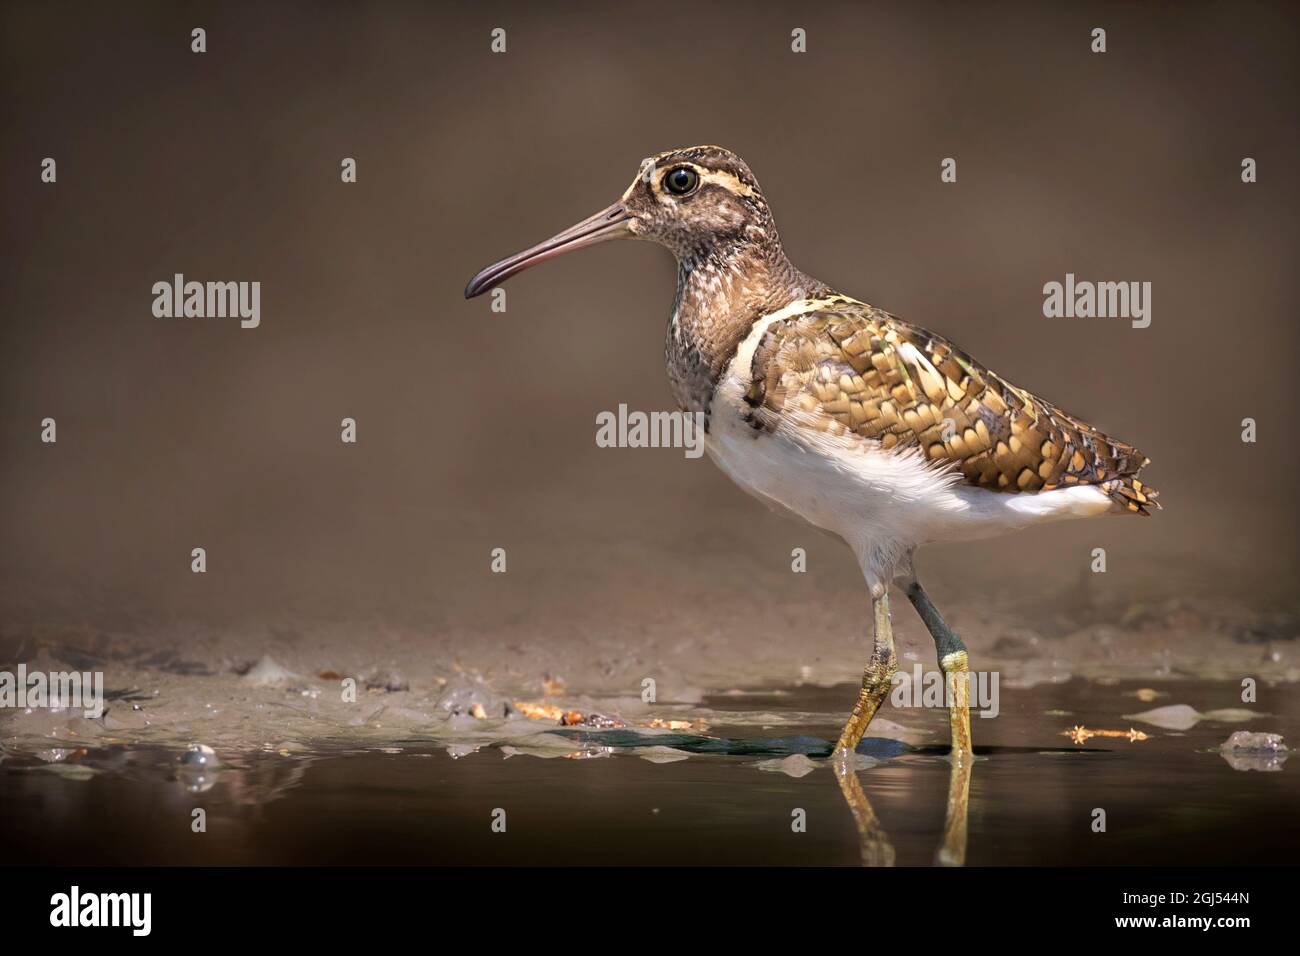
[(690, 373)]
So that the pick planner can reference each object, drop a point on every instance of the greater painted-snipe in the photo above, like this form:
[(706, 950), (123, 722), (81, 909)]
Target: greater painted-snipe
[(876, 430)]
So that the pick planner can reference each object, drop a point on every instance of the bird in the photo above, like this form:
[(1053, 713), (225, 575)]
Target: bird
[(842, 414)]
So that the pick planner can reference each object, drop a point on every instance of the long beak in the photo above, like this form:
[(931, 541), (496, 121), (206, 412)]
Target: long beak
[(610, 223)]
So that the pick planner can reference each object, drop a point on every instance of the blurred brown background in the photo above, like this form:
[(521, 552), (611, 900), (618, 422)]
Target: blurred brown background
[(476, 430)]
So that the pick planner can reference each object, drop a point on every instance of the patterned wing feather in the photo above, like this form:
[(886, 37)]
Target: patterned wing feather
[(842, 366)]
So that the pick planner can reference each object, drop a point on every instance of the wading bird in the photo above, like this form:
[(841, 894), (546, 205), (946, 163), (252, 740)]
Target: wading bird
[(876, 430)]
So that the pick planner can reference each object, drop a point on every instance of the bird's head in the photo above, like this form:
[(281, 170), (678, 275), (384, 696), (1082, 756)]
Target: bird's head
[(691, 200)]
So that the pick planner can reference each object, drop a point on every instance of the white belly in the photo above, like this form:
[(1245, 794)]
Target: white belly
[(882, 503)]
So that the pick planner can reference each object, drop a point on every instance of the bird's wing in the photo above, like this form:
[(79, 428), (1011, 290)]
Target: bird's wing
[(843, 367)]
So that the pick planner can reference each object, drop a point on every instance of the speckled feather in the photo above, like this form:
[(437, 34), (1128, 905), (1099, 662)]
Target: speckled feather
[(845, 367)]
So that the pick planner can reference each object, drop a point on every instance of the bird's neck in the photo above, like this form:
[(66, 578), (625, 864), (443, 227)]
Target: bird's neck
[(722, 289)]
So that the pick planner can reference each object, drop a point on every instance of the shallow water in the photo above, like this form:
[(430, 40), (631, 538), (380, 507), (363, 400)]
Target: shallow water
[(577, 796)]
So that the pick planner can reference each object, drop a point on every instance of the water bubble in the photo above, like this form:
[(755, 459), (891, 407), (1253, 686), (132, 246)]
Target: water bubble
[(199, 755), (198, 768)]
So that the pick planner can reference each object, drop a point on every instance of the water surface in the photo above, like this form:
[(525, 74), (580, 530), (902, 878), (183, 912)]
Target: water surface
[(624, 797)]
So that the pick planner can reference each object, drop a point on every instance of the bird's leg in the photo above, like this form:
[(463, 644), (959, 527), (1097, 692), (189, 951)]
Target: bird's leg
[(956, 667), (877, 677), (953, 661)]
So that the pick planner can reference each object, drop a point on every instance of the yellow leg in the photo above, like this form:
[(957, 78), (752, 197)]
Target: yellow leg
[(876, 682), (876, 679), (956, 677)]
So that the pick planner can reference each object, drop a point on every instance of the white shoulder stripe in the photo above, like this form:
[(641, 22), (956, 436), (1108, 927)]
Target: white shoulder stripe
[(740, 365)]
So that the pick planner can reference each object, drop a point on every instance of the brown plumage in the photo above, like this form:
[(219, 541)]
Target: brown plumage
[(849, 367)]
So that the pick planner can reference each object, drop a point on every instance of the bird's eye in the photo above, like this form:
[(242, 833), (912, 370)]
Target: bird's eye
[(681, 180)]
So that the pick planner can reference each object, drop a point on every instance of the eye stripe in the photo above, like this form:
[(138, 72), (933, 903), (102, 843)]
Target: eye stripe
[(716, 177), (727, 181), (708, 177)]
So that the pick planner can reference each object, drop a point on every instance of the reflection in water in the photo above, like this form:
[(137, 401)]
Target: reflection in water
[(1254, 751), (952, 852), (253, 781), (198, 768), (1264, 762), (873, 841), (197, 779), (675, 798)]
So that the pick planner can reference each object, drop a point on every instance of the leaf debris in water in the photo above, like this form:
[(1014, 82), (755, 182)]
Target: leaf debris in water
[(1079, 734)]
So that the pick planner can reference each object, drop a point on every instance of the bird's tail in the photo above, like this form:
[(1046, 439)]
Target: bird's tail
[(1131, 494)]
